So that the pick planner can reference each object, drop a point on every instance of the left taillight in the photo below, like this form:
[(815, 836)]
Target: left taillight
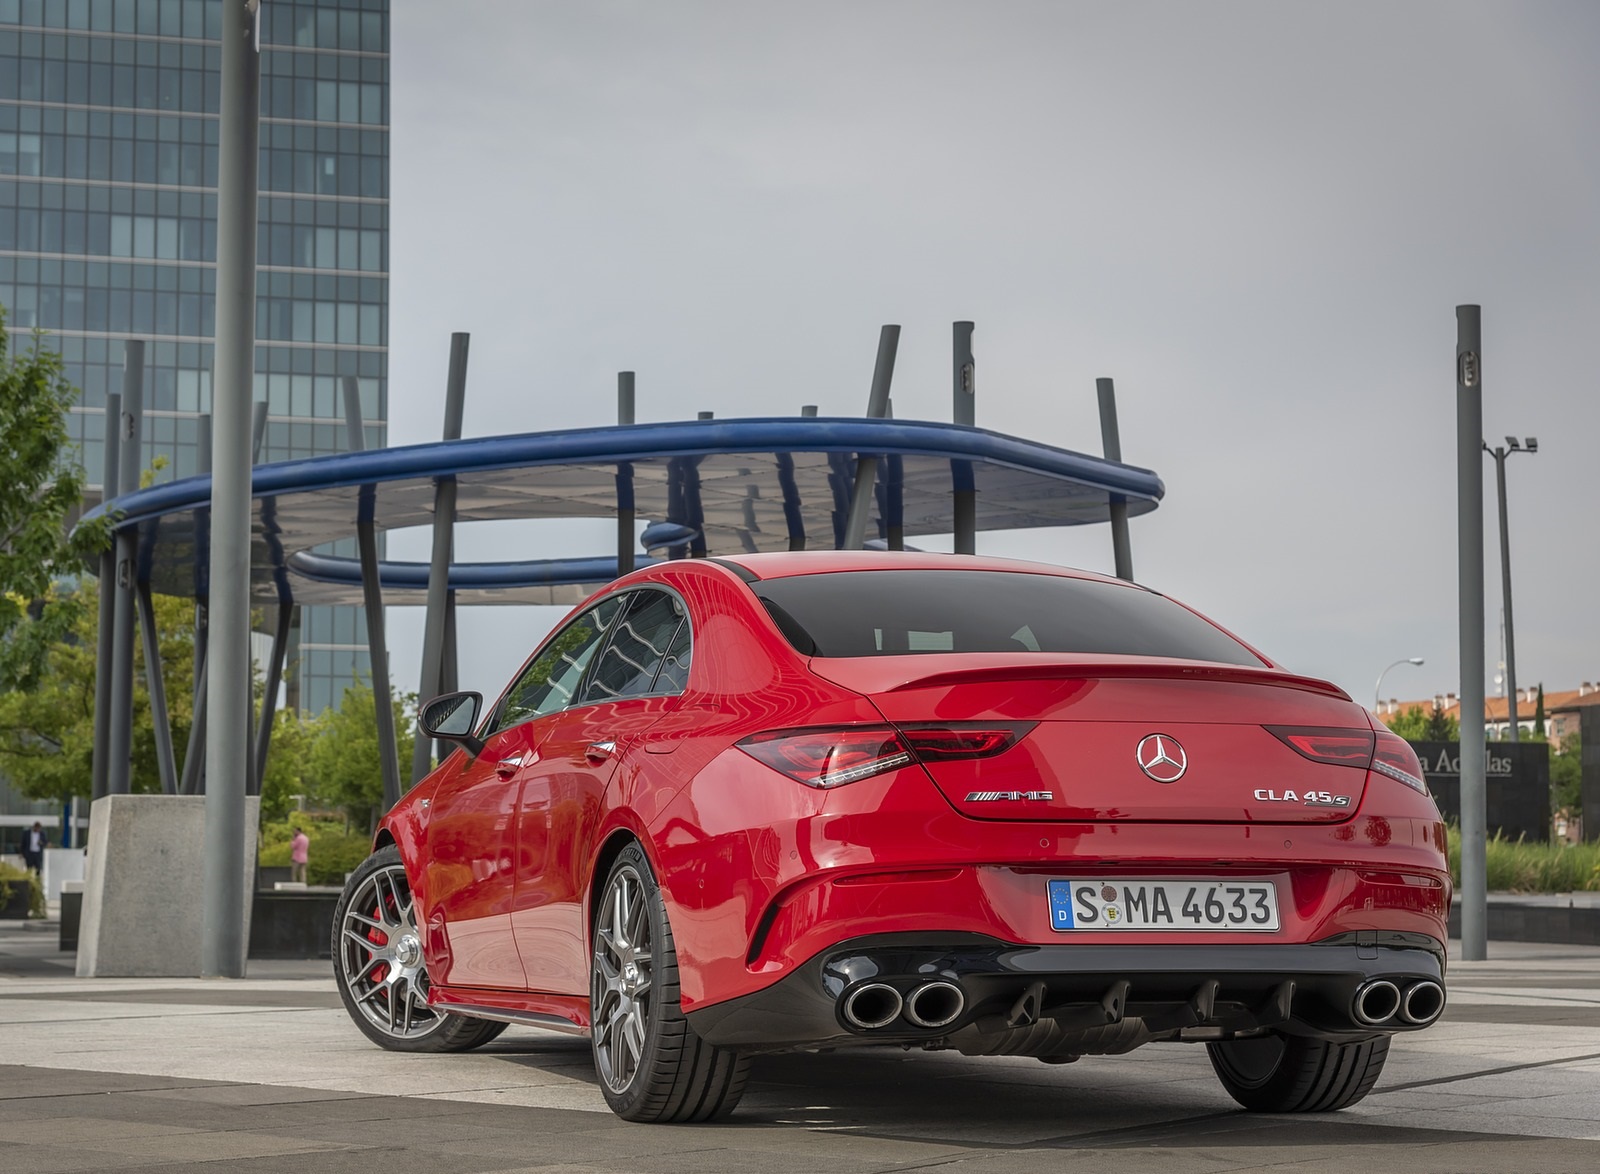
[(833, 756)]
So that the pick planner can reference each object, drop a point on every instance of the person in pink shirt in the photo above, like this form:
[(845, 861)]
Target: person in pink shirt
[(299, 852)]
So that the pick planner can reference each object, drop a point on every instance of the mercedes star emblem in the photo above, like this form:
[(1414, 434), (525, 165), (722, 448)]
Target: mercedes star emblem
[(1162, 758)]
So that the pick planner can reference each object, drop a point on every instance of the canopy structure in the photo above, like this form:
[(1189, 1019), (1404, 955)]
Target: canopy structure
[(729, 485), (702, 486)]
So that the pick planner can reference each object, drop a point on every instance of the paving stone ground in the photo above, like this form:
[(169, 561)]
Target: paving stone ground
[(266, 1074)]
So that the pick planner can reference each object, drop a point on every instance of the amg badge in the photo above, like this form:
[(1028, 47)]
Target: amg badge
[(1015, 796)]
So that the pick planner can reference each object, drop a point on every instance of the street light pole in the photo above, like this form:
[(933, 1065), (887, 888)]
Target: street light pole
[(1500, 454), (1377, 691)]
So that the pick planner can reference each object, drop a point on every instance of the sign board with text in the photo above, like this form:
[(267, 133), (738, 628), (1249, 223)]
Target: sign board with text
[(1518, 785)]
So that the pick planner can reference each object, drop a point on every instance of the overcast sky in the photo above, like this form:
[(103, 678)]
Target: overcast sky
[(1257, 217)]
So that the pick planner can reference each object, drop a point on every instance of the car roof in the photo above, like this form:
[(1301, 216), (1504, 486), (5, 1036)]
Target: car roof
[(786, 564)]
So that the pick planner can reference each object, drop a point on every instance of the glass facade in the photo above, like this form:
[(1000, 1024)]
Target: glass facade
[(108, 209)]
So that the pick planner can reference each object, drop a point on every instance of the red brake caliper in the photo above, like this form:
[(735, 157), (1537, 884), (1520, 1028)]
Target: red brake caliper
[(378, 938)]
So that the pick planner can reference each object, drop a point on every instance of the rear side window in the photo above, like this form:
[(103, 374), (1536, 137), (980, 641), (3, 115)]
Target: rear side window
[(898, 613), (639, 644)]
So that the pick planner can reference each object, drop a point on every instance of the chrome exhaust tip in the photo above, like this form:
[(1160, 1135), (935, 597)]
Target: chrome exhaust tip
[(935, 1004), (1423, 1003), (872, 1005), (1375, 1002)]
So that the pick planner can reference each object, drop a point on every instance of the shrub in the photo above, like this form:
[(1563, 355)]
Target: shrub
[(1524, 866), (332, 854), (10, 877)]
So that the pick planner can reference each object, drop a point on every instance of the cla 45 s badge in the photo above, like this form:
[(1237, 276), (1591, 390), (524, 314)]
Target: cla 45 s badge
[(1309, 799)]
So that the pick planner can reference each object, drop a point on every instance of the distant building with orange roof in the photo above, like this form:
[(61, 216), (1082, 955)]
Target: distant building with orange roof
[(1561, 710)]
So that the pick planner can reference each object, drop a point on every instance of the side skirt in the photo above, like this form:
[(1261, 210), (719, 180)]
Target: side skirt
[(568, 1014)]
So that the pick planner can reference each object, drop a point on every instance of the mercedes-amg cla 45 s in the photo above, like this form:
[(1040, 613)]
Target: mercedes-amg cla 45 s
[(797, 801)]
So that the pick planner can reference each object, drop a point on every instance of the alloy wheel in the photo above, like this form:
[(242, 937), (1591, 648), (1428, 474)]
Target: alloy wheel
[(624, 979), (381, 956)]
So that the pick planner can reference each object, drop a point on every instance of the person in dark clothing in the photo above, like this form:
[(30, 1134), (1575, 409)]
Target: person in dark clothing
[(33, 848)]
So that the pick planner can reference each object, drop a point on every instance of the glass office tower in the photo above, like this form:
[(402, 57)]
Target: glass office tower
[(108, 172)]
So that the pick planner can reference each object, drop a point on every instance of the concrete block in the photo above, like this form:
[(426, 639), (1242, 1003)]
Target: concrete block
[(144, 893), (60, 866)]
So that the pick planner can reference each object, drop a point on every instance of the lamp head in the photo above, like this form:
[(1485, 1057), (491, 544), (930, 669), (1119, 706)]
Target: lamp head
[(1533, 444)]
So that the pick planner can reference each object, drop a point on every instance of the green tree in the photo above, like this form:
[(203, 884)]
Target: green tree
[(47, 732), (1566, 773), (40, 488), (1416, 725), (1441, 727), (287, 776), (342, 763), (1412, 725), (1538, 714)]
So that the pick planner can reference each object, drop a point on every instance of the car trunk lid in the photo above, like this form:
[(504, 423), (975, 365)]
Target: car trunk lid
[(1130, 740)]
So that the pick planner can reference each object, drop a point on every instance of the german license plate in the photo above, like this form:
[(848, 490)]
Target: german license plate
[(1223, 905)]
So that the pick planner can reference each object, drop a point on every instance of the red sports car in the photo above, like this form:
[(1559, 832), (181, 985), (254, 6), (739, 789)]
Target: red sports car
[(786, 801)]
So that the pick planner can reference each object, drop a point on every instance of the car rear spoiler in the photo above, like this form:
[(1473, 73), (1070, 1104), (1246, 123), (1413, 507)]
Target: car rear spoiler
[(894, 674)]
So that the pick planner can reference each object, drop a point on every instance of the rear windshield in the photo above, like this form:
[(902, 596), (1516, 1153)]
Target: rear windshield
[(893, 613)]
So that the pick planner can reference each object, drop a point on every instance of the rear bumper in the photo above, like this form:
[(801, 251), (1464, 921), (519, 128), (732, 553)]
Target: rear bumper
[(1071, 999)]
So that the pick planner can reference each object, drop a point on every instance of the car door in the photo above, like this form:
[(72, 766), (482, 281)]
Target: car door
[(472, 826), (470, 878), (563, 802)]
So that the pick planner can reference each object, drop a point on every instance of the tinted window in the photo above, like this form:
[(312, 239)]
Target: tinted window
[(638, 644), (674, 677), (879, 613), (551, 681)]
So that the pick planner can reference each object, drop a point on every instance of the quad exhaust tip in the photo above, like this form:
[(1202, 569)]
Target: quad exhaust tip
[(1376, 1002), (1423, 1003), (872, 1005), (935, 1004)]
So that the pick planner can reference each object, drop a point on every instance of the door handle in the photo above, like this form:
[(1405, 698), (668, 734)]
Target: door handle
[(507, 767), (600, 751)]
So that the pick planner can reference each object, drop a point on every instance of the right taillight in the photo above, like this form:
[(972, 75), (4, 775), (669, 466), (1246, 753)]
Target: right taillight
[(1394, 758), (1335, 746)]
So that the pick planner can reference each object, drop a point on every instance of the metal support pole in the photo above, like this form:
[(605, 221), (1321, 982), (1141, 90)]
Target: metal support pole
[(192, 781), (201, 599), (1111, 445), (355, 433), (625, 502), (104, 635), (861, 497), (1469, 526), (269, 694), (258, 429), (378, 651), (444, 518), (194, 758), (450, 671), (166, 762), (228, 656), (1500, 455), (964, 390), (119, 733), (964, 377)]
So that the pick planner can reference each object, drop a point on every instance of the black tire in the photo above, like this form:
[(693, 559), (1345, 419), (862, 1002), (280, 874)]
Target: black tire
[(1293, 1074), (651, 1065), (381, 976)]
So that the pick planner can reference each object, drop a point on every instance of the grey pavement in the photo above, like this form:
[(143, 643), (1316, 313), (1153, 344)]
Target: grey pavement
[(266, 1074)]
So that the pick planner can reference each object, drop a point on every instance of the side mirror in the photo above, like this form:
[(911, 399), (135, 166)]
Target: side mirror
[(452, 718)]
